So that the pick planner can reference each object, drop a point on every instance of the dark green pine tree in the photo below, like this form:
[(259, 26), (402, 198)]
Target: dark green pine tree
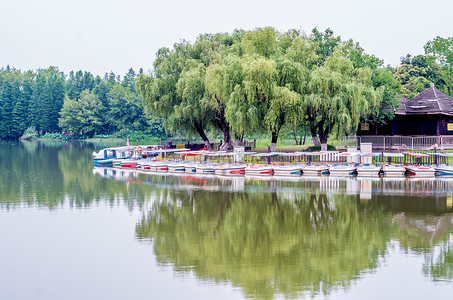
[(101, 90), (56, 86), (39, 106), (6, 107), (129, 80), (19, 114), (88, 81), (74, 85)]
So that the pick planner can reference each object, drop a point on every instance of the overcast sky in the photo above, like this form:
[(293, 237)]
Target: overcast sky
[(113, 35)]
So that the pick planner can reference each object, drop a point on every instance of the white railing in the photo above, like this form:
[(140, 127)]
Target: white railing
[(381, 142)]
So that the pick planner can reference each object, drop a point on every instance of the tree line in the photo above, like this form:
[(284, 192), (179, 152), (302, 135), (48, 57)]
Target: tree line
[(49, 101), (264, 82), (240, 84)]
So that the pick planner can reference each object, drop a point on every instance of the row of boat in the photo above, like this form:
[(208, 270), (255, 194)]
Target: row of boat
[(284, 170), (119, 159)]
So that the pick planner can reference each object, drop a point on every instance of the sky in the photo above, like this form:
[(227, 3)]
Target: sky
[(101, 36)]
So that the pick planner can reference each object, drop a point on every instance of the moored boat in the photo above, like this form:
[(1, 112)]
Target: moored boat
[(176, 167), (443, 170), (369, 170), (315, 170), (288, 170), (107, 157), (393, 171), (204, 168), (420, 171), (259, 170), (230, 169), (343, 170)]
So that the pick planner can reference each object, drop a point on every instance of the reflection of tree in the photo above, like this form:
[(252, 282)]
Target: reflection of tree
[(267, 243), (439, 262), (50, 173)]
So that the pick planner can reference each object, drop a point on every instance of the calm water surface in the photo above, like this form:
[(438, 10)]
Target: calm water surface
[(69, 231)]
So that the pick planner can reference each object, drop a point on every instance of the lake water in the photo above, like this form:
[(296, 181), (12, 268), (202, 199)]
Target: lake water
[(69, 231)]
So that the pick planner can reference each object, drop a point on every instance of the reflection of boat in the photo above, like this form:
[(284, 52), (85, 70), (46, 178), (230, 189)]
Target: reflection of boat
[(420, 171), (369, 170), (343, 170), (288, 170), (315, 170), (259, 170)]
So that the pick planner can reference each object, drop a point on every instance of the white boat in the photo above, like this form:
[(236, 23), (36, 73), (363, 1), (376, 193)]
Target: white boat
[(420, 171), (394, 171), (259, 170), (107, 157), (343, 170), (443, 170), (288, 170), (190, 168), (315, 170), (230, 169), (176, 167), (158, 166), (369, 170), (204, 168)]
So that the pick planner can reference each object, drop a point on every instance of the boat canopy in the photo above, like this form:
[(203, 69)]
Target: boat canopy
[(348, 154), (317, 153), (265, 154), (417, 154), (442, 154), (372, 154), (290, 153)]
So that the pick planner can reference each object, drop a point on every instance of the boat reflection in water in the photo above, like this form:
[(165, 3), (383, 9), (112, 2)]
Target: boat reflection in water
[(293, 236)]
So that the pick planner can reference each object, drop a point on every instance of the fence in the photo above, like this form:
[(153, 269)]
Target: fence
[(407, 142)]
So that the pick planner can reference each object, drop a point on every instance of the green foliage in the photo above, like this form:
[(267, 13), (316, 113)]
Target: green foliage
[(81, 117), (54, 136), (29, 134), (415, 74), (318, 148), (148, 135), (442, 50)]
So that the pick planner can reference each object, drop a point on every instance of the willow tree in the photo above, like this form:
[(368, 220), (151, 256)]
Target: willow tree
[(294, 66), (250, 100), (161, 96), (338, 95), (282, 106), (191, 89)]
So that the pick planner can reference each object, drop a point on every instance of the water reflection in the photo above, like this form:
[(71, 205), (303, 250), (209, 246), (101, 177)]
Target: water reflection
[(267, 235), (268, 243)]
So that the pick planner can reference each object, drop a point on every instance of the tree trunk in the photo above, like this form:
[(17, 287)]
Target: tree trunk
[(323, 134), (226, 145), (224, 126), (295, 137), (314, 135), (273, 146), (203, 136)]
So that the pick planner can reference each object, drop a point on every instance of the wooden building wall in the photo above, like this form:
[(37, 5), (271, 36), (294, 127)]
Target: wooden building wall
[(412, 125)]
